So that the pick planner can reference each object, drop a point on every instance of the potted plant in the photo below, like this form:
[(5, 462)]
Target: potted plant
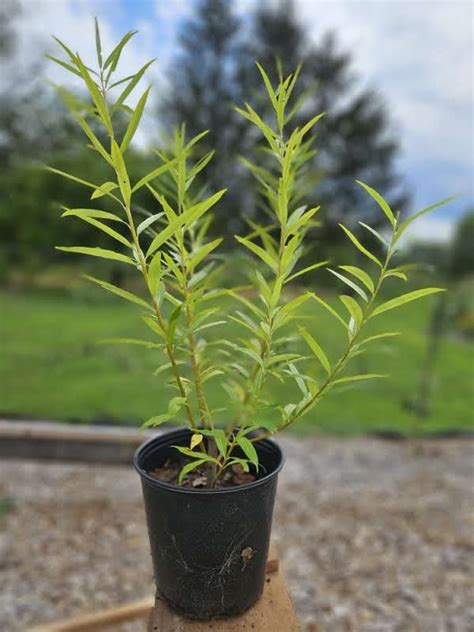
[(209, 488)]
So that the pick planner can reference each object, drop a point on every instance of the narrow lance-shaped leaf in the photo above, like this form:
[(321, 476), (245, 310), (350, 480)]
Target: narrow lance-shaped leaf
[(129, 88), (259, 251), (65, 65), (90, 212), (142, 226), (93, 138), (330, 309), (189, 467), (375, 234), (248, 449), (96, 96), (135, 120), (98, 44), (106, 229), (153, 174), (318, 352), (185, 218), (380, 201), (69, 176), (407, 222), (361, 275), (118, 291), (349, 283), (359, 246), (97, 252), (202, 253), (405, 298), (357, 378), (352, 307), (104, 189), (113, 58), (122, 175)]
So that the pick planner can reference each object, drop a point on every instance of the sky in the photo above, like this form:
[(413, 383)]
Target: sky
[(418, 54)]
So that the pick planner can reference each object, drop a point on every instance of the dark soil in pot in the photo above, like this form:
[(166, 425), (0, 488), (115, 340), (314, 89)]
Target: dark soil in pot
[(209, 546)]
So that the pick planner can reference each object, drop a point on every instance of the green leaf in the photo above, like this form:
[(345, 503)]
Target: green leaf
[(185, 219), (357, 378), (352, 307), (305, 270), (395, 273), (67, 50), (236, 461), (375, 233), (134, 121), (155, 421), (219, 437), (388, 334), (104, 189), (350, 283), (97, 252), (69, 176), (361, 275), (201, 253), (411, 219), (118, 291), (89, 212), (311, 123), (154, 273), (405, 298), (269, 87), (98, 44), (113, 58), (380, 201), (316, 349), (189, 467), (259, 251), (148, 222), (96, 95), (195, 455), (248, 449), (131, 85), (130, 341), (359, 246), (330, 309), (153, 174), (122, 175), (286, 310), (196, 439), (65, 65), (106, 229)]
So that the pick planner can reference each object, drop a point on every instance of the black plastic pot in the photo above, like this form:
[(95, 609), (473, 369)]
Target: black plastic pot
[(209, 547)]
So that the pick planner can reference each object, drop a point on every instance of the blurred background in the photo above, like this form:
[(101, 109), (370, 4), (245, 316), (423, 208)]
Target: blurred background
[(395, 79), (374, 534)]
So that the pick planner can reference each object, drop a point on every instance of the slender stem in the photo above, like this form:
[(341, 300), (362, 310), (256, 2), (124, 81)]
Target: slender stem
[(346, 355), (156, 307)]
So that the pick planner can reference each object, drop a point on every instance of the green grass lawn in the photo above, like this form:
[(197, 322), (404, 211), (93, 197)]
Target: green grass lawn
[(52, 366)]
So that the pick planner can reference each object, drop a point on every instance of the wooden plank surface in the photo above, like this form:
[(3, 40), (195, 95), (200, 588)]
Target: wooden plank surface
[(100, 620)]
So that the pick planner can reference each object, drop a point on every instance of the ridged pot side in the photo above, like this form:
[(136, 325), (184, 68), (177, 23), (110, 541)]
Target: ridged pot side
[(209, 547)]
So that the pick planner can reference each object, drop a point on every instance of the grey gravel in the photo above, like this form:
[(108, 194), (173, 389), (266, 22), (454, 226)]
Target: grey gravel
[(373, 536)]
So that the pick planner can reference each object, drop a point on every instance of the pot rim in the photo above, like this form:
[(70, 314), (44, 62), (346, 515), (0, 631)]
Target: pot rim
[(268, 444)]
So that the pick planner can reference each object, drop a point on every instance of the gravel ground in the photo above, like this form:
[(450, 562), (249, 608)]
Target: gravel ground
[(373, 535)]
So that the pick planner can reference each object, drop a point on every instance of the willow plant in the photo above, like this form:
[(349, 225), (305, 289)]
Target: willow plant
[(170, 249)]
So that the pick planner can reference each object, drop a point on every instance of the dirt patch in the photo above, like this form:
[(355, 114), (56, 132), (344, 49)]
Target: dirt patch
[(373, 536), (197, 478)]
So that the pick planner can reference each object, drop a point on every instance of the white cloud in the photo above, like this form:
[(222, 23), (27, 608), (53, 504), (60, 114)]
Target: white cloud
[(418, 52)]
